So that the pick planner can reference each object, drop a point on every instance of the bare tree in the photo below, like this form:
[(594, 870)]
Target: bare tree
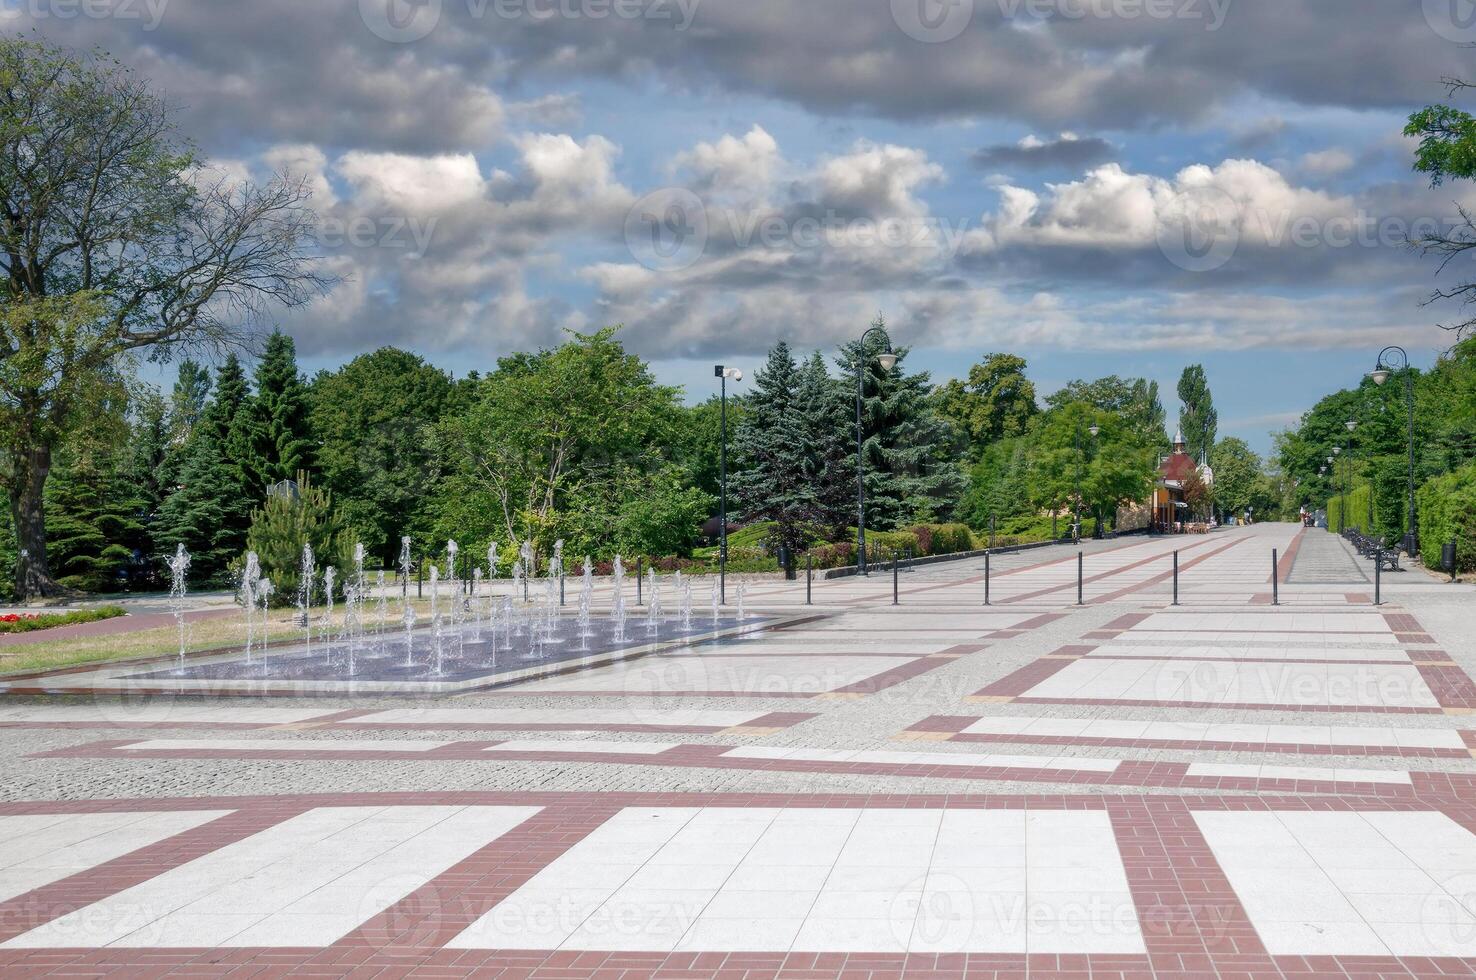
[(114, 241)]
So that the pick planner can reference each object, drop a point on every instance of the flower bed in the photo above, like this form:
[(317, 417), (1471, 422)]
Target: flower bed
[(30, 622)]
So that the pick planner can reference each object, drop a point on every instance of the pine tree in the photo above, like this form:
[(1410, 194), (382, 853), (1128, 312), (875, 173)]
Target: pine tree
[(190, 397), (771, 481), (287, 521), (910, 473), (278, 443)]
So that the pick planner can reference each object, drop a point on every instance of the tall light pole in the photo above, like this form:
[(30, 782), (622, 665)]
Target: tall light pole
[(887, 360), (1393, 359), (1076, 527), (725, 374)]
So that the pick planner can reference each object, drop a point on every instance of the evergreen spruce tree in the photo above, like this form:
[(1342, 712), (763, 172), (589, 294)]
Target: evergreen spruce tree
[(190, 397), (825, 427), (770, 480), (95, 533), (149, 454), (209, 507), (277, 442), (911, 476)]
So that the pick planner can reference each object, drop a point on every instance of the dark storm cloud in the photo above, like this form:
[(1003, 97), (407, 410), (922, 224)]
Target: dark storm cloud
[(1067, 153)]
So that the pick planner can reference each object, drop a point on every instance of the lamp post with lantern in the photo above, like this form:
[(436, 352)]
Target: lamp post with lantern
[(726, 374), (1393, 359), (887, 360)]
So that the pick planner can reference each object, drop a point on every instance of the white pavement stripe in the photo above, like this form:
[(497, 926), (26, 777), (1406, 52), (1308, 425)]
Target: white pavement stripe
[(599, 746), (1188, 731), (972, 759), (39, 849), (1253, 771), (157, 712), (827, 880), (750, 675), (594, 717), (305, 882)]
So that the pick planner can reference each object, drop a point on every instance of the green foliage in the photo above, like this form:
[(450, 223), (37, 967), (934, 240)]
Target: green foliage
[(1070, 468), (1447, 142), (375, 419), (1134, 400), (999, 485), (996, 402), (1350, 510), (911, 472), (1237, 476), (1447, 506), (697, 440), (540, 434), (278, 441), (1198, 419), (284, 523), (9, 555), (95, 535), (45, 621)]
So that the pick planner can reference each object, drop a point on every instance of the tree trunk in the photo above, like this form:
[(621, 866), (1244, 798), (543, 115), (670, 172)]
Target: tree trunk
[(33, 572)]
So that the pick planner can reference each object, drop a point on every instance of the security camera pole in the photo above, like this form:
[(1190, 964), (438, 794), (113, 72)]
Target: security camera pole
[(886, 360)]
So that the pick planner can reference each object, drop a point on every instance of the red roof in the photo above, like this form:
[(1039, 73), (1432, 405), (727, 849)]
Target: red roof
[(1178, 467)]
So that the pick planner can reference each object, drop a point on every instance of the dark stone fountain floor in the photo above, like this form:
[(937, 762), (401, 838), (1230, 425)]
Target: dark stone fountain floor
[(470, 656)]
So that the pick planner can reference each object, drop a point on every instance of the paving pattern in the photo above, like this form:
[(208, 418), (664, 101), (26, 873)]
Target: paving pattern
[(1272, 777)]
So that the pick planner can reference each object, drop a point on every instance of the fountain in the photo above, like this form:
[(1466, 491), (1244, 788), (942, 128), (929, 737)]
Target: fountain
[(249, 579), (742, 595), (476, 597), (458, 602), (435, 614), (264, 590), (178, 587), (305, 595), (382, 601), (653, 615), (617, 604), (717, 603), (407, 611), (684, 590), (586, 598), (330, 578)]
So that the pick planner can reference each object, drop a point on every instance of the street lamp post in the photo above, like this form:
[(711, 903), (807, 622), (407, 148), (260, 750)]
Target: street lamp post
[(1393, 359), (724, 373), (1094, 429), (887, 360)]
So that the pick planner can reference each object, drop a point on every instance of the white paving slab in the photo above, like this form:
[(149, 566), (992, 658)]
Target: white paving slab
[(1217, 682), (156, 711), (1351, 884), (593, 717), (827, 880), (601, 746), (1255, 771), (1311, 735), (305, 882), (39, 849), (747, 675), (972, 759)]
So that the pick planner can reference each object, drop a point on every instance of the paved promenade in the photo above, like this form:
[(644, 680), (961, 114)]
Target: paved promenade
[(1079, 779)]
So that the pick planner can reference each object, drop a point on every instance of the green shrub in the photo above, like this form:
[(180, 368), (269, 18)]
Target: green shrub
[(27, 623), (279, 530), (1447, 512)]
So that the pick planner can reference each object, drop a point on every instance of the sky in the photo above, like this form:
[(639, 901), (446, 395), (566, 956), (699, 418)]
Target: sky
[(1101, 186)]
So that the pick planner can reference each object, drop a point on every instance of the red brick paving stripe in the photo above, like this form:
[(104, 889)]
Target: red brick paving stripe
[(438, 911), (895, 676), (41, 905), (1193, 921), (1163, 576), (949, 724), (1018, 682), (1126, 622), (1289, 558)]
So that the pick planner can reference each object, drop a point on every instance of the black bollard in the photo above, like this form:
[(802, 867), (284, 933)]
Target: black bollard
[(1080, 578), (809, 578), (896, 565), (561, 585), (986, 578), (1176, 578), (638, 581), (420, 580), (1379, 577), (1275, 580)]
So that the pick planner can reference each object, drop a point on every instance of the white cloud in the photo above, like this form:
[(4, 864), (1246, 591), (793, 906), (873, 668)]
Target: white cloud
[(418, 184)]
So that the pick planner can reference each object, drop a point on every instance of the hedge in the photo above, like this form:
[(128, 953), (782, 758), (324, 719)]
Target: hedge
[(1447, 512), (29, 623)]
